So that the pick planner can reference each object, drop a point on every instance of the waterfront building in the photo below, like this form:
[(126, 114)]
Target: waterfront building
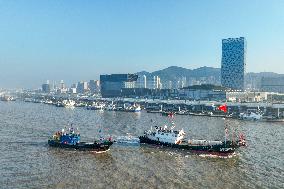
[(46, 87), (112, 85), (62, 85), (94, 86), (170, 85), (246, 96), (54, 87), (272, 84), (178, 84), (62, 91), (181, 82), (156, 83), (62, 88), (73, 85), (233, 63), (203, 92), (149, 93), (82, 87), (73, 90), (141, 81), (129, 84), (159, 83), (144, 81)]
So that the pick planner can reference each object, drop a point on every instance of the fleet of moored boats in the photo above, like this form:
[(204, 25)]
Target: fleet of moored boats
[(136, 107)]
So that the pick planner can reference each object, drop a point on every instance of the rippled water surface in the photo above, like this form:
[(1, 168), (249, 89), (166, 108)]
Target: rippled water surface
[(26, 161)]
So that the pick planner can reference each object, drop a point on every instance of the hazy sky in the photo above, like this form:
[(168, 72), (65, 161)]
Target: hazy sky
[(78, 40)]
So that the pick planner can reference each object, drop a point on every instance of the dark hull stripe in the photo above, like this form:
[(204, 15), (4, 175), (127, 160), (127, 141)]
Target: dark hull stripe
[(83, 147), (214, 149)]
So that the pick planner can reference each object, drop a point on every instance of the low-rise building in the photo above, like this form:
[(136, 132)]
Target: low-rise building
[(246, 96), (149, 93), (46, 88), (203, 92), (272, 84), (82, 87)]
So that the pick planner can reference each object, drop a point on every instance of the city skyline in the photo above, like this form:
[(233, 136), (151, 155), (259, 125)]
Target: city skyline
[(76, 41)]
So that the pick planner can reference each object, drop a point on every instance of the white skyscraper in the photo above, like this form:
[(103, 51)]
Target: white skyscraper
[(141, 82), (144, 81), (156, 83)]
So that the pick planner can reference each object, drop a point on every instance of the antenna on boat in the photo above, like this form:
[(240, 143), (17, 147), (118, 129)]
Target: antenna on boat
[(226, 135), (100, 134), (225, 130)]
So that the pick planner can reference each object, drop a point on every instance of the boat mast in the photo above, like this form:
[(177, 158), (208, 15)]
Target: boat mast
[(226, 131), (171, 118)]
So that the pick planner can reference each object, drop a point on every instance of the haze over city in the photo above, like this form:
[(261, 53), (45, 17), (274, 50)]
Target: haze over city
[(141, 94), (79, 40)]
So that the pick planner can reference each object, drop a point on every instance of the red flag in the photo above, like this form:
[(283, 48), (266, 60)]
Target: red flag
[(171, 115), (223, 108)]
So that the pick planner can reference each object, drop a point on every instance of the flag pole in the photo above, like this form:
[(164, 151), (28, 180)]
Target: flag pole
[(225, 132), (224, 109)]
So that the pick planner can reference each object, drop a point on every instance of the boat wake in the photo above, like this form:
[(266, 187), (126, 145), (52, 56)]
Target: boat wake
[(24, 143), (99, 152), (127, 139), (218, 156)]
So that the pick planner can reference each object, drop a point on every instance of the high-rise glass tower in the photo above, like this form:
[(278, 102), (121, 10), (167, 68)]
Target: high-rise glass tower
[(112, 85), (233, 63)]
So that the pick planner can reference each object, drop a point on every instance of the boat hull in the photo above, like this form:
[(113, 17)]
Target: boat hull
[(220, 150), (83, 146)]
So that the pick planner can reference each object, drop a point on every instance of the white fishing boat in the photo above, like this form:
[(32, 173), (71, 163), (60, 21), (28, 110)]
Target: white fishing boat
[(133, 108), (48, 102), (111, 107), (68, 103), (163, 136), (250, 116), (7, 98), (97, 106)]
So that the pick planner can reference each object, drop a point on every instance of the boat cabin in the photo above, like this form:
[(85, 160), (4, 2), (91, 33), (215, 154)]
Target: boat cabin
[(67, 138), (165, 135), (70, 139)]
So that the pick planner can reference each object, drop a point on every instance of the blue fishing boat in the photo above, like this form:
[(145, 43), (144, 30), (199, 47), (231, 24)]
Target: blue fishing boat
[(71, 140)]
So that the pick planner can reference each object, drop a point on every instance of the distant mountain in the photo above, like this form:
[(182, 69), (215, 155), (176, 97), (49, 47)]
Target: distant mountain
[(143, 73), (174, 72), (182, 76), (264, 74), (202, 75)]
